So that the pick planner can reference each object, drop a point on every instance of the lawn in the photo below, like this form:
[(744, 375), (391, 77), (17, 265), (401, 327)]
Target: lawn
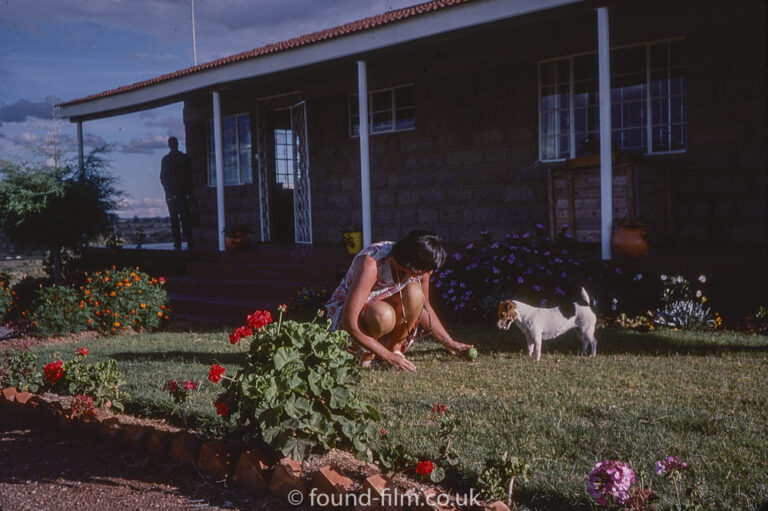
[(700, 396)]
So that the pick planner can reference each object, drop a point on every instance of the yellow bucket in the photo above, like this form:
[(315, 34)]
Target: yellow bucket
[(353, 241)]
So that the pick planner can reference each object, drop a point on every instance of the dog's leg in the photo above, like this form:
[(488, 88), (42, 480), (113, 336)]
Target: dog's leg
[(537, 345), (584, 342), (589, 334), (529, 340)]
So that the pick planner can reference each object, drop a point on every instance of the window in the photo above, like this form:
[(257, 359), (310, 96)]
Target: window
[(645, 78), (284, 158), (388, 110), (236, 141)]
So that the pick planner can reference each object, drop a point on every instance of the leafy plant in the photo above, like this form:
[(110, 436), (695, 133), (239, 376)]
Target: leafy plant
[(296, 391), (685, 315), (60, 310), (100, 381), (497, 479), (310, 298), (19, 369)]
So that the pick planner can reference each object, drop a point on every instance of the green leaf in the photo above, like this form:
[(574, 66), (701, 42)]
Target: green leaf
[(283, 357), (437, 475), (339, 397)]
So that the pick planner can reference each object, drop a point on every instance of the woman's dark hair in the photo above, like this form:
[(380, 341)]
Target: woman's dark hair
[(419, 251)]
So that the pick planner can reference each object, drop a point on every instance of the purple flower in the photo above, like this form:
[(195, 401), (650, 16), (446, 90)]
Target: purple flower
[(520, 280), (511, 259), (469, 247), (559, 291), (457, 256), (564, 275), (669, 465), (540, 226), (536, 288), (496, 270), (610, 481), (495, 245), (618, 271), (527, 235)]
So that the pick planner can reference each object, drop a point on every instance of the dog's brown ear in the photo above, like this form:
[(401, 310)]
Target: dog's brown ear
[(506, 307)]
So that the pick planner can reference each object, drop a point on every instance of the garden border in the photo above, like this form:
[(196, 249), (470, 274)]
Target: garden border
[(248, 468)]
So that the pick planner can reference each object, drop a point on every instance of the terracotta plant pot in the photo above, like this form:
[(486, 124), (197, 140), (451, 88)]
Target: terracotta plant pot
[(629, 242), (235, 242)]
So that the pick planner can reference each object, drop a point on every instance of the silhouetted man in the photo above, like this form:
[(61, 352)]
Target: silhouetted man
[(176, 176)]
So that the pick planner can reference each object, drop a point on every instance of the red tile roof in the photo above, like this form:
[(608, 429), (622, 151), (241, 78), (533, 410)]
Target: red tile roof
[(315, 37)]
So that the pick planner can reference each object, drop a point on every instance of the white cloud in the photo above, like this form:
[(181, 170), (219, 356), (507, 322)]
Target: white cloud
[(145, 145)]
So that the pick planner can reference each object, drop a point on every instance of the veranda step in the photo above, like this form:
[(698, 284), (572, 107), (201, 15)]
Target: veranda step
[(254, 290), (308, 275), (227, 311)]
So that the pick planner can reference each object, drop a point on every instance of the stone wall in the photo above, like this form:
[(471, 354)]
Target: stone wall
[(470, 163)]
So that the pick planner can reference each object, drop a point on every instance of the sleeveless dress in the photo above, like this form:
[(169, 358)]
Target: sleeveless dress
[(385, 283)]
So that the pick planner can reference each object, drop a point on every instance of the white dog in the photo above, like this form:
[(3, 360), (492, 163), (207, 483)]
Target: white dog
[(543, 324)]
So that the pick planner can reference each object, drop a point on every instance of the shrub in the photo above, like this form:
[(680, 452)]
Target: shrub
[(529, 267), (125, 298), (60, 310), (310, 299), (108, 301), (296, 390)]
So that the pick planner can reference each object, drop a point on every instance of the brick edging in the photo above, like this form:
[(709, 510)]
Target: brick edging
[(250, 469)]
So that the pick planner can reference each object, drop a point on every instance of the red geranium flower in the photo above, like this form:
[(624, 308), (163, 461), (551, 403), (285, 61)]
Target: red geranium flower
[(424, 467), (82, 352), (439, 408), (259, 319), (53, 372), (216, 373), (221, 408), (239, 333), (189, 385), (171, 386)]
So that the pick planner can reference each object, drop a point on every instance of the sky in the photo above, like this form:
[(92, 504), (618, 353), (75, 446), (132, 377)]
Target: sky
[(53, 51)]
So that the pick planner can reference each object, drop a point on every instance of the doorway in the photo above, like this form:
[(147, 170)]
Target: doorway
[(280, 161)]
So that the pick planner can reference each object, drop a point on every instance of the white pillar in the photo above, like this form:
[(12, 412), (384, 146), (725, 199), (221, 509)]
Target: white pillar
[(80, 153), (365, 162), (606, 161), (219, 149)]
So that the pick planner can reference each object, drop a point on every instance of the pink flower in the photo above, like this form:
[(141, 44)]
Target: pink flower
[(161, 280), (282, 307), (610, 482), (669, 465), (189, 385)]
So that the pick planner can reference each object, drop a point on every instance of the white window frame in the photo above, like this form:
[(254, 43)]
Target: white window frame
[(647, 121), (394, 108), (243, 177)]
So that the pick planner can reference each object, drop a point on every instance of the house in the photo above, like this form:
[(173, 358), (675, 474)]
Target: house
[(470, 103)]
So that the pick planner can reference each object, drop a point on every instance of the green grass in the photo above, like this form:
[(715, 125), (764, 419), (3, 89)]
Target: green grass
[(697, 395)]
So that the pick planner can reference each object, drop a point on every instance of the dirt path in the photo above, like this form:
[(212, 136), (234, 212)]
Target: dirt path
[(46, 471)]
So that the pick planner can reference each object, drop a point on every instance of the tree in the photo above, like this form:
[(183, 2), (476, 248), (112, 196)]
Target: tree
[(57, 208)]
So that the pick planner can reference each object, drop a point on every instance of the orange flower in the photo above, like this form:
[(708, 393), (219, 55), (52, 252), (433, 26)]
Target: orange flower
[(112, 293), (115, 314), (143, 305), (117, 324), (133, 311), (106, 279), (160, 314), (90, 320), (162, 307), (87, 292)]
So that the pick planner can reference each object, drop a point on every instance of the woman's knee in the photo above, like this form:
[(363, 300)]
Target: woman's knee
[(378, 319), (413, 299)]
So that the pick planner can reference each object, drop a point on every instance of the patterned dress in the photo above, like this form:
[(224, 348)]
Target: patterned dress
[(385, 284)]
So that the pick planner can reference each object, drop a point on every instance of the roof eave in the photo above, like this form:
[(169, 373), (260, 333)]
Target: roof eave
[(435, 23)]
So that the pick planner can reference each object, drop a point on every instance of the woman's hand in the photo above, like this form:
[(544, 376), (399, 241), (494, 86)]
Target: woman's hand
[(455, 348), (399, 361)]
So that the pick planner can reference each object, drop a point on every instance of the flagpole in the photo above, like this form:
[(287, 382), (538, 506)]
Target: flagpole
[(194, 37)]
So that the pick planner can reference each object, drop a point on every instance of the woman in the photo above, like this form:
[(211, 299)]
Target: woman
[(384, 297)]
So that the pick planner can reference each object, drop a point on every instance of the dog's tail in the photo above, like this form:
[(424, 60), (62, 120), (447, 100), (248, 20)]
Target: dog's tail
[(585, 297)]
